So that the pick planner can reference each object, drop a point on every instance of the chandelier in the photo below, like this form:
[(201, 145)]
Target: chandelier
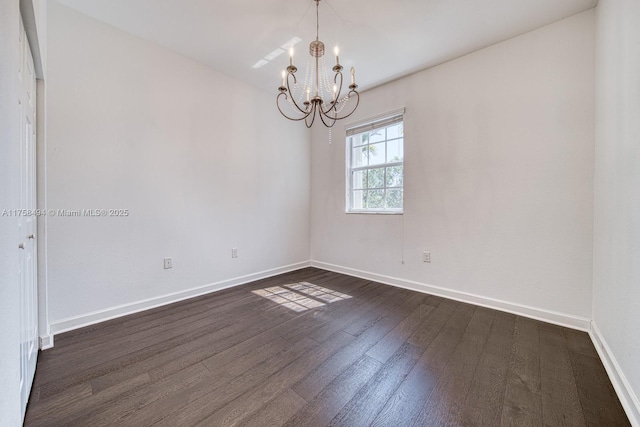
[(317, 95)]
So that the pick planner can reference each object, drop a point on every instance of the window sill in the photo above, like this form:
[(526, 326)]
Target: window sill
[(374, 212)]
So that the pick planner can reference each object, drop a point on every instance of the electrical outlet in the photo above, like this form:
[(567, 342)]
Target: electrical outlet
[(426, 256), (234, 253), (168, 263)]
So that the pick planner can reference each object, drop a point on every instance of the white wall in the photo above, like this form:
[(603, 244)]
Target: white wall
[(9, 199), (616, 284), (203, 162), (499, 152)]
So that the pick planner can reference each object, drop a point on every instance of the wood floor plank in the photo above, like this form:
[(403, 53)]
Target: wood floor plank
[(483, 405), (205, 400), (207, 396), (322, 408), (145, 320), (600, 404), (62, 416), (246, 369), (121, 325), (120, 410), (208, 349), (140, 338), (394, 339), (598, 399), (312, 384), (385, 356), (579, 342), (58, 402), (127, 323), (114, 332), (376, 298), (283, 407), (374, 308), (523, 397), (364, 406), (238, 410), (560, 401), (446, 401), (102, 365), (319, 324), (258, 354), (163, 363), (137, 340), (407, 401), (424, 335), (231, 354)]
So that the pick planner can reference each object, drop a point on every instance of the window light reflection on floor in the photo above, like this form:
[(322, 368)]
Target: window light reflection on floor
[(319, 292), (296, 302)]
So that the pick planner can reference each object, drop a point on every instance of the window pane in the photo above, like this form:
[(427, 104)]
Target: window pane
[(358, 199), (394, 199), (359, 156), (376, 135), (394, 176), (375, 199), (376, 154), (359, 180), (376, 178), (395, 151), (395, 131), (377, 185)]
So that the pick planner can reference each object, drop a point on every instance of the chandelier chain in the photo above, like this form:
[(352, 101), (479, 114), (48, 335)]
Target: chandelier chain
[(317, 19)]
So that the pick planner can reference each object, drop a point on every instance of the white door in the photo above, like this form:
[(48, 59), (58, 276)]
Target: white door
[(27, 222)]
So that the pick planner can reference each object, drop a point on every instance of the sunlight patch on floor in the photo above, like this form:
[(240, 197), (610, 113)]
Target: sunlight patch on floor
[(319, 292), (296, 302)]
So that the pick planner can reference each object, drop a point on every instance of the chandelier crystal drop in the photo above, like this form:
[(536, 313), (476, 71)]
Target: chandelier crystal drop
[(318, 94)]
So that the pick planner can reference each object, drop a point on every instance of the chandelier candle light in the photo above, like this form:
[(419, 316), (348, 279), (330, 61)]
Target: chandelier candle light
[(326, 101)]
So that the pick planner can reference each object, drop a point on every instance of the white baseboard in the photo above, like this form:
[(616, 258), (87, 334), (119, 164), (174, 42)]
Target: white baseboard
[(628, 398), (46, 342), (561, 319), (83, 320)]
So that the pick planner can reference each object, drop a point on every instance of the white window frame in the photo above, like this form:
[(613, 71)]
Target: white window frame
[(378, 122)]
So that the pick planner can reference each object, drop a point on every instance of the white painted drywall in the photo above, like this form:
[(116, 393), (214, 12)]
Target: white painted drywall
[(499, 151), (9, 199), (616, 275), (202, 162)]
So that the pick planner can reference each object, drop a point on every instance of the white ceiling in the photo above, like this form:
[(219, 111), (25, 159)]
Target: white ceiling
[(383, 39)]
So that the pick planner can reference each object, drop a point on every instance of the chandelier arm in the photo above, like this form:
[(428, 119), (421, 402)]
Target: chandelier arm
[(283, 113), (331, 107), (354, 107), (334, 102), (322, 117), (335, 81), (293, 98), (335, 116), (313, 117)]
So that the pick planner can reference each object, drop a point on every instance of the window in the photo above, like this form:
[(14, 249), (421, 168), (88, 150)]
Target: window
[(375, 165)]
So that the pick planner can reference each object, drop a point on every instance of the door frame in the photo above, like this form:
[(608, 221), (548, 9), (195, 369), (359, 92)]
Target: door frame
[(34, 18), (27, 222)]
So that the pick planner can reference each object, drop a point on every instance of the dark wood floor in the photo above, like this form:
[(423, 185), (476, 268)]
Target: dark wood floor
[(385, 357)]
